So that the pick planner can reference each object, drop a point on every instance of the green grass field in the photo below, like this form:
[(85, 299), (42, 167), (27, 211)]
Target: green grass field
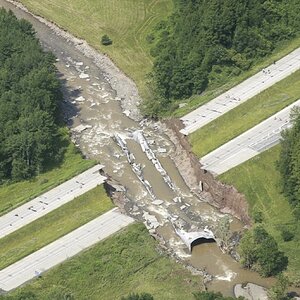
[(259, 180), (15, 194), (124, 263), (246, 115), (57, 223), (127, 22)]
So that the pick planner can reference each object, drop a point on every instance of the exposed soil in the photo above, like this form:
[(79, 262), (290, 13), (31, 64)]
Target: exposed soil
[(201, 182)]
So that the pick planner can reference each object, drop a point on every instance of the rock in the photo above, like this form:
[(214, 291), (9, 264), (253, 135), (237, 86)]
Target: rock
[(157, 202), (182, 105), (251, 291), (162, 150), (84, 76), (80, 99), (81, 128)]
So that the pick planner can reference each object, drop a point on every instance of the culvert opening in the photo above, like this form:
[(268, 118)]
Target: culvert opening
[(201, 241)]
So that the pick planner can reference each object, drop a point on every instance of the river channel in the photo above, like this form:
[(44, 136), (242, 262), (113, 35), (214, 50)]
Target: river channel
[(99, 123)]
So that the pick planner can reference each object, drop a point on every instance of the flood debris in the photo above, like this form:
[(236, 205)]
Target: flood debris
[(140, 139), (80, 128), (136, 168), (80, 99), (84, 76), (150, 221)]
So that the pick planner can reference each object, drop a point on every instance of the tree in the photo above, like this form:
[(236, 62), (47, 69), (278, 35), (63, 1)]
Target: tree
[(30, 94), (210, 296), (143, 296), (259, 251), (219, 40), (279, 290), (247, 250), (105, 40), (223, 230)]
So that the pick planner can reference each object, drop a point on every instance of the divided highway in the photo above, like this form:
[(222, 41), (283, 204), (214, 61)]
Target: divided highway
[(51, 200), (247, 145), (69, 245), (241, 93)]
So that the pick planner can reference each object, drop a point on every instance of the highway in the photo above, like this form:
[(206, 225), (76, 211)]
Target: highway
[(241, 93), (247, 145), (50, 200), (69, 245)]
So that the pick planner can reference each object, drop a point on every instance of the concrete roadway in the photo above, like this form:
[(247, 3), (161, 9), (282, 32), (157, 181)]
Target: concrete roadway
[(254, 141), (241, 93), (69, 245), (51, 200)]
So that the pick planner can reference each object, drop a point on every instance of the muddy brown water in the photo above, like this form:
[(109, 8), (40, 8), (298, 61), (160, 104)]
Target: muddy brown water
[(90, 100)]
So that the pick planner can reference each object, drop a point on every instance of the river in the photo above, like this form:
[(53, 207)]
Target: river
[(93, 99)]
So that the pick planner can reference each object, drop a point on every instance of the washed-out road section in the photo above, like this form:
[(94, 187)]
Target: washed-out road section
[(247, 145), (241, 93), (50, 200), (69, 245)]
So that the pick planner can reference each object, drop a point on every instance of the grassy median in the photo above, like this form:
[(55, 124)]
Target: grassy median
[(52, 226), (259, 180), (124, 263), (15, 194), (126, 22), (246, 115)]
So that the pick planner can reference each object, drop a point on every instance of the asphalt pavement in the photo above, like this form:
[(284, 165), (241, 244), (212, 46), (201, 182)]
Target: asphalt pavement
[(50, 200), (241, 92), (247, 145), (35, 264)]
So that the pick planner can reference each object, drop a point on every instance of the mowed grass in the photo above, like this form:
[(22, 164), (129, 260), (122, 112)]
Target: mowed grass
[(127, 22), (246, 115), (216, 89), (15, 194), (259, 180), (124, 263), (52, 226)]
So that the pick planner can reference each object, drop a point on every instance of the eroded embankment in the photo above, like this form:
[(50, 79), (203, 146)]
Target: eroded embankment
[(202, 183)]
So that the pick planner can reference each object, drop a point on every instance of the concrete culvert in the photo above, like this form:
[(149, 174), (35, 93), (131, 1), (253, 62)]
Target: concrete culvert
[(200, 241)]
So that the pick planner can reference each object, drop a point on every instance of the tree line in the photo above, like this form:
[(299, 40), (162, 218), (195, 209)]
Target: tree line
[(289, 163), (30, 94), (204, 42)]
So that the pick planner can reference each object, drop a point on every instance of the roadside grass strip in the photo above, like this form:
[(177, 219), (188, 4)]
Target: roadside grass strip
[(15, 194), (124, 263), (245, 116), (51, 200), (54, 225), (259, 180), (62, 249), (127, 23)]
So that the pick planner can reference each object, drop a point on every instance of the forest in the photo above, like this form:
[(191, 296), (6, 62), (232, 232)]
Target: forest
[(203, 43), (30, 94), (289, 163)]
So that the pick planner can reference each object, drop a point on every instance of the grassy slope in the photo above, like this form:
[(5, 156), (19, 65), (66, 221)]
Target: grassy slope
[(124, 263), (246, 115), (15, 194), (59, 222), (127, 22), (214, 91), (259, 180)]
